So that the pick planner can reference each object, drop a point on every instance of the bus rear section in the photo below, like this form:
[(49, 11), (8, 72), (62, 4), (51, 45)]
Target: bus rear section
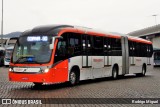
[(140, 51)]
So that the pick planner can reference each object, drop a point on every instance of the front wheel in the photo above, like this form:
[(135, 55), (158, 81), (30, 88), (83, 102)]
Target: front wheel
[(73, 78)]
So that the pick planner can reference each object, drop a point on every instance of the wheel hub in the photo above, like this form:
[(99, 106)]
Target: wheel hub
[(73, 77)]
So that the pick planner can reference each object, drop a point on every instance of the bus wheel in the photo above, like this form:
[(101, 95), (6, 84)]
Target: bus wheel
[(73, 78), (37, 83), (114, 73), (143, 70)]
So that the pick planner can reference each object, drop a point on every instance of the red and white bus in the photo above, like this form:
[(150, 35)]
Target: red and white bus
[(60, 53)]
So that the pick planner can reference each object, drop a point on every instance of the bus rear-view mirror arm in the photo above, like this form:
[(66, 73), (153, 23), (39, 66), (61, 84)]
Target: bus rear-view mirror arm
[(51, 46)]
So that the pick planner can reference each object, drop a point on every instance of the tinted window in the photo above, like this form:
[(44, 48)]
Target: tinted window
[(87, 45), (107, 46), (116, 47), (69, 46), (137, 49), (98, 46)]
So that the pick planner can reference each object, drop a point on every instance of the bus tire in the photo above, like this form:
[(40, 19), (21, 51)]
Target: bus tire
[(114, 73), (37, 83), (144, 70), (73, 77)]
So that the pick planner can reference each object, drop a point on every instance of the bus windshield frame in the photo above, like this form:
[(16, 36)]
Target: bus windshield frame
[(34, 49)]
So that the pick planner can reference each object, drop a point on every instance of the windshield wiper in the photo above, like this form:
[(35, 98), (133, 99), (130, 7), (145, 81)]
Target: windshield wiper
[(33, 61), (29, 62), (20, 59)]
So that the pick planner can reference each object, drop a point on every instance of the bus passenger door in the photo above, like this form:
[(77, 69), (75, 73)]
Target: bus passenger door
[(61, 61), (98, 57), (86, 57), (125, 55)]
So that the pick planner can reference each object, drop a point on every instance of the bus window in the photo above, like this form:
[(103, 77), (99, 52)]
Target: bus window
[(150, 50), (107, 46), (89, 45), (98, 46), (136, 49), (61, 49), (74, 45), (86, 45), (116, 47), (143, 50), (131, 48)]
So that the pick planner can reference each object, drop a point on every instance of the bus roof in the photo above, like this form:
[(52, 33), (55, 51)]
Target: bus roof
[(59, 29), (48, 30)]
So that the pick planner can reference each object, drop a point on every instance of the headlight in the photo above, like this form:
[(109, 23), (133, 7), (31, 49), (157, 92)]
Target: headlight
[(10, 69), (46, 70)]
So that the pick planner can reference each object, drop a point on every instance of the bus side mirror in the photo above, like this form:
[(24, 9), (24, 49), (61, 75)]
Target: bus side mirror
[(58, 37), (51, 46)]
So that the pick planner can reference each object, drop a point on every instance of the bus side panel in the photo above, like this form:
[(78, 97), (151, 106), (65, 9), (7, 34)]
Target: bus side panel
[(85, 73), (138, 63), (117, 60), (60, 72), (97, 66), (107, 70)]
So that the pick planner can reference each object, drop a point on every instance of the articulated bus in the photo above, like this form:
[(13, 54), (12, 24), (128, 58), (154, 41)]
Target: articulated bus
[(61, 53)]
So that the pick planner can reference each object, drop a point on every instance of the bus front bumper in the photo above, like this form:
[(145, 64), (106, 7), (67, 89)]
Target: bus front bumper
[(38, 77), (52, 76)]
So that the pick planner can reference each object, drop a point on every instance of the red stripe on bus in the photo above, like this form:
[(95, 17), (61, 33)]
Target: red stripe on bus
[(139, 40), (75, 30)]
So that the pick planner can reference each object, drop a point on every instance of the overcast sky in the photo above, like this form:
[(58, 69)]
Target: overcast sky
[(121, 16)]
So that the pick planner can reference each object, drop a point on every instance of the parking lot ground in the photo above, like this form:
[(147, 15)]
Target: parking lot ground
[(125, 87)]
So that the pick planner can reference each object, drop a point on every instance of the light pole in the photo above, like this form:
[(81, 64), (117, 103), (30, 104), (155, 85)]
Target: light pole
[(2, 27), (155, 16)]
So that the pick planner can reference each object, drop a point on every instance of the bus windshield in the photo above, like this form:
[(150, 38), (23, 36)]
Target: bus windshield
[(33, 49)]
